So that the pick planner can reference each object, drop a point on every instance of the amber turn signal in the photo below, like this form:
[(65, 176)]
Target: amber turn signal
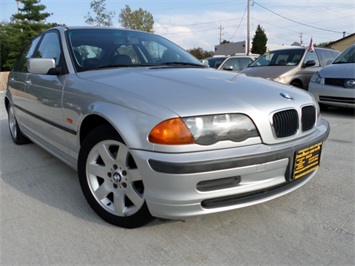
[(171, 132)]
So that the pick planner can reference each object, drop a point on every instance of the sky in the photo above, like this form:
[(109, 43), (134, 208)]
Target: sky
[(203, 23)]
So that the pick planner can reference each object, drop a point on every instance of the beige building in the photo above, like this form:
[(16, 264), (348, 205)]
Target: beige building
[(343, 43)]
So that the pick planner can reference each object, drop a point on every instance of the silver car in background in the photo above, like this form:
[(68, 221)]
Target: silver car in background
[(236, 63), (214, 61), (153, 132), (294, 66), (334, 85)]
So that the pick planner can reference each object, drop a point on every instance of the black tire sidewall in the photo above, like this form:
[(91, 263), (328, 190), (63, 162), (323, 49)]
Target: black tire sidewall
[(99, 134)]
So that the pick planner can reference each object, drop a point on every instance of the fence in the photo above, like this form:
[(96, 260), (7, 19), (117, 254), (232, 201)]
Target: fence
[(3, 80)]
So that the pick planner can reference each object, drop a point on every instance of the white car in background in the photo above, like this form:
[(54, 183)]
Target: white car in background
[(334, 85), (236, 63), (214, 61)]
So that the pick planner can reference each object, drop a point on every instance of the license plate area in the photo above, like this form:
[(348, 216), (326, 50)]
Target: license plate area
[(307, 160)]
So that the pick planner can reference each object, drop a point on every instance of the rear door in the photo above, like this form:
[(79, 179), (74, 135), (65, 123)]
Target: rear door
[(18, 81)]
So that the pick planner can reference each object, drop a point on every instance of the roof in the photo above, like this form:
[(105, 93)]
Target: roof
[(344, 38)]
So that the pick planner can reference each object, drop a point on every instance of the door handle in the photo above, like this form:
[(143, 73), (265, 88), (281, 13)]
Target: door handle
[(28, 82)]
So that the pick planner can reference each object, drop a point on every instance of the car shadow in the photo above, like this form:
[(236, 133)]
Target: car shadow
[(336, 111), (33, 172)]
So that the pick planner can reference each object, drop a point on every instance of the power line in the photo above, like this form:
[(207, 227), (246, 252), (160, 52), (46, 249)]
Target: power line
[(240, 22), (195, 24), (297, 21)]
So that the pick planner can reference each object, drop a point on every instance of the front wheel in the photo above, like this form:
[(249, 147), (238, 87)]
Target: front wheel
[(296, 84), (111, 181)]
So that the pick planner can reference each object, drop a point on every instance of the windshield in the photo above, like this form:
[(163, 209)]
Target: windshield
[(348, 56), (285, 57), (103, 48)]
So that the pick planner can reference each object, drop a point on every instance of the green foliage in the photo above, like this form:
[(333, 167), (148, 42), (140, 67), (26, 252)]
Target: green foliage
[(24, 26), (259, 41), (199, 53), (136, 20), (323, 44), (31, 12), (103, 17)]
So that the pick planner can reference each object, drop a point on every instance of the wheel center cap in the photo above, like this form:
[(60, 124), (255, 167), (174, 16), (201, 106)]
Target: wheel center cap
[(116, 177)]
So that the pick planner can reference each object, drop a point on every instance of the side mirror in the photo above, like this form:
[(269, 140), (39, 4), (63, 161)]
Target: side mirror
[(42, 66), (309, 63), (229, 68)]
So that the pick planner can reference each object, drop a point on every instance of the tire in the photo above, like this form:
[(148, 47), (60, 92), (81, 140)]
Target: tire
[(297, 84), (323, 107), (15, 132), (111, 181)]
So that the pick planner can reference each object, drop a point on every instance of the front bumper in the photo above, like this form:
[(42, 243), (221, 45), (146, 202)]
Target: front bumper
[(196, 183), (333, 95)]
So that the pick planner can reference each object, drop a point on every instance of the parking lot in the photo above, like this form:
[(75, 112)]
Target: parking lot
[(45, 219)]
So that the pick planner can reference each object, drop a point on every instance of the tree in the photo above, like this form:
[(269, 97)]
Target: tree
[(4, 44), (259, 41), (136, 20), (31, 12), (324, 44), (199, 53), (24, 25), (103, 17)]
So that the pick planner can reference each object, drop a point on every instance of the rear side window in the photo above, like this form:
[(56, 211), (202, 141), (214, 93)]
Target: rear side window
[(327, 56), (21, 65)]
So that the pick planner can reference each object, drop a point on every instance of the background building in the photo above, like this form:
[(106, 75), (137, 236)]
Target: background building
[(343, 43)]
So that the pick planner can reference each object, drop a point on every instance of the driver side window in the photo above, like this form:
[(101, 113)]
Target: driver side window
[(50, 48), (311, 56)]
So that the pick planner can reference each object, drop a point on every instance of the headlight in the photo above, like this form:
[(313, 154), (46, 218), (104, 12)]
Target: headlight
[(283, 79), (316, 78), (204, 130)]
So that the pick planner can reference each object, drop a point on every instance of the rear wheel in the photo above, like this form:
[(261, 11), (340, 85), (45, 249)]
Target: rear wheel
[(111, 181), (14, 128)]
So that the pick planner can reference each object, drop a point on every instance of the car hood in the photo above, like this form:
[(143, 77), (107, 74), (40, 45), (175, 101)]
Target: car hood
[(338, 71), (190, 91), (270, 72)]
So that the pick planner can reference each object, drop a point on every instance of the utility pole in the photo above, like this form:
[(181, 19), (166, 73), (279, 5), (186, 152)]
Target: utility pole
[(248, 28), (301, 41), (220, 33), (18, 6)]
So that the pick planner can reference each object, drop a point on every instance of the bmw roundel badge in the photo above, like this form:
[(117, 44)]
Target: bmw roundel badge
[(286, 96)]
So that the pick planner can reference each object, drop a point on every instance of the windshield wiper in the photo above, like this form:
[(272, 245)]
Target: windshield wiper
[(342, 62), (181, 64), (177, 64), (125, 65)]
